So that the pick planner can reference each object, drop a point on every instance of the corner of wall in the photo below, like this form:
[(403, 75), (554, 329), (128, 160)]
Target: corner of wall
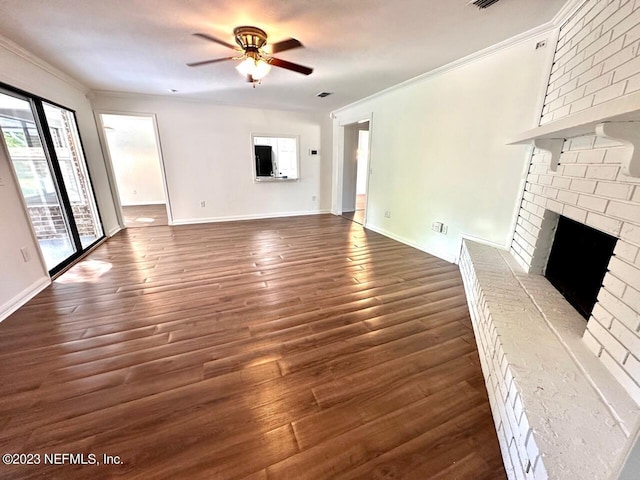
[(23, 297)]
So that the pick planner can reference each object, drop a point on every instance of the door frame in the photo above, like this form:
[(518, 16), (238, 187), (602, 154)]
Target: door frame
[(339, 124), (104, 145)]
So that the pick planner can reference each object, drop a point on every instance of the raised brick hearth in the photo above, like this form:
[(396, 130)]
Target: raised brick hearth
[(558, 412)]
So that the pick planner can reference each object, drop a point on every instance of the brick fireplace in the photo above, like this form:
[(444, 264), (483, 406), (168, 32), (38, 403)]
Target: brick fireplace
[(552, 380), (565, 395), (589, 187)]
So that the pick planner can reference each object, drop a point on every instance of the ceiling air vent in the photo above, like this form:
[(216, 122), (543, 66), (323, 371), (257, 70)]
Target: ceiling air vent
[(323, 94), (483, 3)]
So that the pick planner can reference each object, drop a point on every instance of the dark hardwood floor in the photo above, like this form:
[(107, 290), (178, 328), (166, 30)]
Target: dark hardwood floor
[(358, 214), (298, 348)]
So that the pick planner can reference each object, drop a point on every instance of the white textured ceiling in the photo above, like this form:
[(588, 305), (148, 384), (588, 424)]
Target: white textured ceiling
[(357, 47)]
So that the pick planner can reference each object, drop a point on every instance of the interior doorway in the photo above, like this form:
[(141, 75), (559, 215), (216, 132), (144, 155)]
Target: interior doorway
[(355, 171), (133, 149)]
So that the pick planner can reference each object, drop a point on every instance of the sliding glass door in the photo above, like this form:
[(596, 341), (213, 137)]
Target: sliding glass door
[(44, 148), (73, 169)]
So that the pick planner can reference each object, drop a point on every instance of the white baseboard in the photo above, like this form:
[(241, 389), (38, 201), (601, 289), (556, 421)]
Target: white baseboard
[(113, 231), (259, 216), (141, 204), (482, 241), (444, 256), (23, 297), (488, 243)]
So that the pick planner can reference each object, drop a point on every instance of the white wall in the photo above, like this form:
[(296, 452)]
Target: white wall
[(135, 159), (439, 153), (208, 157), (18, 279)]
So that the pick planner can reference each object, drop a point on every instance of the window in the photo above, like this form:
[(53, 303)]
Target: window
[(275, 157)]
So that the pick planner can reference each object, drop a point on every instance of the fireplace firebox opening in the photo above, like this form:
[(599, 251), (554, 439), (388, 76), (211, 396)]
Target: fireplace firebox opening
[(578, 263)]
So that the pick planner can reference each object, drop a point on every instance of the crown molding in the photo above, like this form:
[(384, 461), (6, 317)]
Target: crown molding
[(16, 49), (565, 12)]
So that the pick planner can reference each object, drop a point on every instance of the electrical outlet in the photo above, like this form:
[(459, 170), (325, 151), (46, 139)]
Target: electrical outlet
[(1, 182), (135, 192), (387, 214), (203, 204), (25, 254), (313, 198)]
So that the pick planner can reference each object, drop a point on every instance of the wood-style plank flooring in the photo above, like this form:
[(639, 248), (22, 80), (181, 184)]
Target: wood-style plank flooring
[(145, 215), (299, 348), (357, 215)]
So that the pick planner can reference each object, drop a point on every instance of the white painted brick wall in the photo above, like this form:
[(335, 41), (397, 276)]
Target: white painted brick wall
[(597, 59)]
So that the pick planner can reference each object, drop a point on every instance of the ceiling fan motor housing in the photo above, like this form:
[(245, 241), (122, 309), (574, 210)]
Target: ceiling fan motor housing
[(250, 38)]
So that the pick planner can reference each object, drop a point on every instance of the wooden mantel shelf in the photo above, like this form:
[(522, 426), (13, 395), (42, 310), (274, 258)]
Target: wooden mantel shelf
[(617, 119)]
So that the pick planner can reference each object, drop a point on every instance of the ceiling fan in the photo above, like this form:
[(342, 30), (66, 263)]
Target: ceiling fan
[(256, 59)]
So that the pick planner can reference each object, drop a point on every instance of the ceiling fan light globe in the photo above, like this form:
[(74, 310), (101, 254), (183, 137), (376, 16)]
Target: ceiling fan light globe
[(261, 70), (246, 67), (258, 69)]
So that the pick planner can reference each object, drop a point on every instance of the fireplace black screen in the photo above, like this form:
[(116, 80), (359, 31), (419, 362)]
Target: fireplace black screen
[(578, 262)]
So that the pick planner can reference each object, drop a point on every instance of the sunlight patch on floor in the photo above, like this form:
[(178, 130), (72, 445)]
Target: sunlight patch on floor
[(88, 271)]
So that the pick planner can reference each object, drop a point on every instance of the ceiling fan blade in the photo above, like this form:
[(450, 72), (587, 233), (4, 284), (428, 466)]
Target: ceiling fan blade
[(291, 66), (216, 40), (207, 62), (287, 44)]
